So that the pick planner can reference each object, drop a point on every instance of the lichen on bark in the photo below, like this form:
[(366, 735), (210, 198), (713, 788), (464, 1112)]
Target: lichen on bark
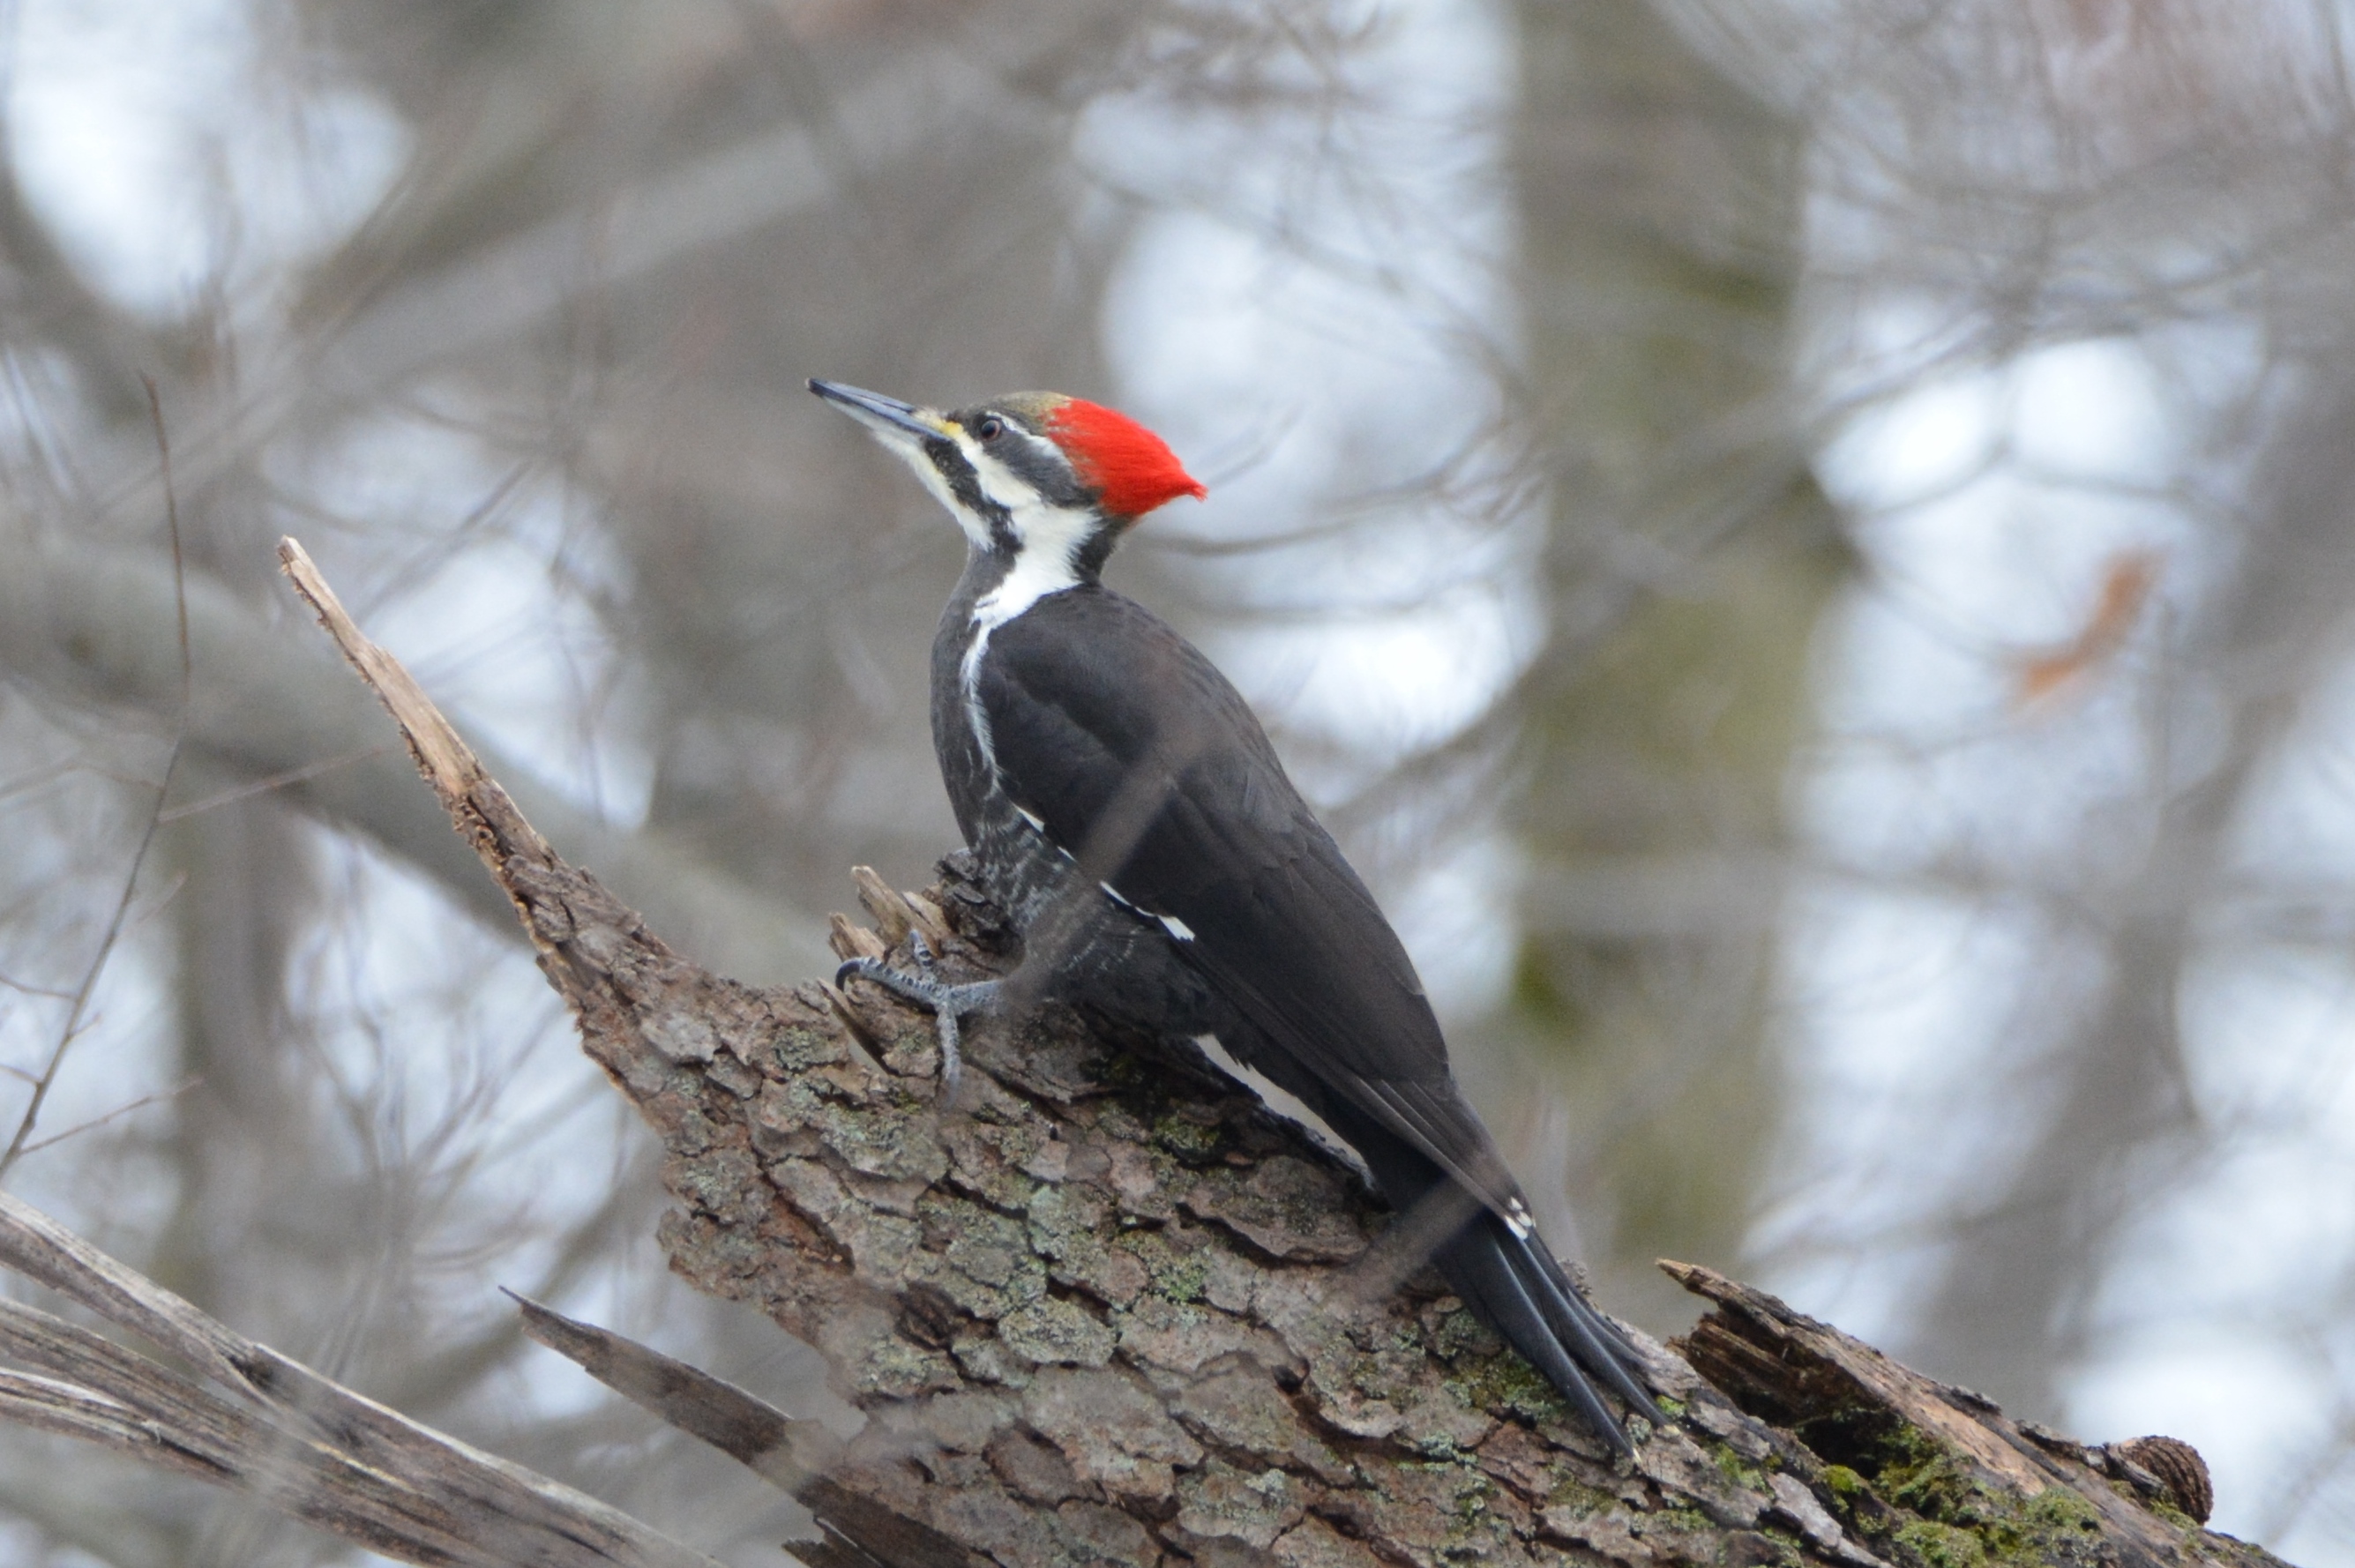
[(1105, 1308)]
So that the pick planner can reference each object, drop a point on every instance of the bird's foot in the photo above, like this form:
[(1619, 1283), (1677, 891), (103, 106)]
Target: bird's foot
[(947, 1003)]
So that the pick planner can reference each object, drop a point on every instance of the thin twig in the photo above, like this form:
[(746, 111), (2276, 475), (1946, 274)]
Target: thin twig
[(18, 1144), (39, 778), (174, 1092), (161, 902), (275, 780)]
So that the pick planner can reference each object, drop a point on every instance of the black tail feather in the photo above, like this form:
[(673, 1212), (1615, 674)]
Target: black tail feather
[(1512, 1283), (1592, 1337), (1479, 1264), (1612, 1335)]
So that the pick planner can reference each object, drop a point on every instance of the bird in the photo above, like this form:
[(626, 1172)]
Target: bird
[(1125, 809)]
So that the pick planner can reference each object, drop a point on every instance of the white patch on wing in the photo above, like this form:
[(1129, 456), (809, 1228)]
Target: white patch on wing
[(1037, 824), (1169, 922), (1516, 1220), (1282, 1101)]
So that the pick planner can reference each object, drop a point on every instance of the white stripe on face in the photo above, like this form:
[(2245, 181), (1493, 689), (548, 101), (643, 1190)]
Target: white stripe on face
[(909, 448), (1047, 537), (1046, 541)]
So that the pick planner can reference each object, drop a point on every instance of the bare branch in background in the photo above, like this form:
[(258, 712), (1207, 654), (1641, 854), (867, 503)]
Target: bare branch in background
[(68, 1031), (2013, 1310), (1689, 557), (84, 623), (141, 1103), (1658, 447)]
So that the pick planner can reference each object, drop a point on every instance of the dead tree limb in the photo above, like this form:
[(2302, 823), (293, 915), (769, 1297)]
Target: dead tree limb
[(1107, 1310), (244, 1418)]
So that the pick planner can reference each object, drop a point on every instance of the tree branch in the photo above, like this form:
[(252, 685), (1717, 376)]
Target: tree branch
[(794, 1456), (263, 1424), (1112, 1311), (85, 619)]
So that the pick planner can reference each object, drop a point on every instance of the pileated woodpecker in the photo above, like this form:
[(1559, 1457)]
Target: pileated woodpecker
[(1128, 814)]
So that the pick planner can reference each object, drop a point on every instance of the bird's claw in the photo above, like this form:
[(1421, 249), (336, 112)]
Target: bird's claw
[(945, 1002)]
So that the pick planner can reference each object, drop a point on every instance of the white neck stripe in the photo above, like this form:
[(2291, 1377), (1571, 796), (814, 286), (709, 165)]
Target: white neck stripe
[(1046, 541)]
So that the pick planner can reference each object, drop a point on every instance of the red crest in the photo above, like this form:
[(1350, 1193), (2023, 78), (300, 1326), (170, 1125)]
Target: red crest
[(1132, 469)]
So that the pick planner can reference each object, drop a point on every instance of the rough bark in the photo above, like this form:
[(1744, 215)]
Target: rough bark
[(1103, 1308)]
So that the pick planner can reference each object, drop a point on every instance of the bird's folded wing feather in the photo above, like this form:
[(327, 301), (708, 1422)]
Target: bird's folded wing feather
[(1148, 765)]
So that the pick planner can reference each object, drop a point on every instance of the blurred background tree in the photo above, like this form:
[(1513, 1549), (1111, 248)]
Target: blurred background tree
[(1688, 556), (1805, 548)]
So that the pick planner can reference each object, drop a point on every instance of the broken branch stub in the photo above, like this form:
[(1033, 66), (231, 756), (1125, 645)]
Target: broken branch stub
[(794, 1456), (1108, 1310), (1882, 1433)]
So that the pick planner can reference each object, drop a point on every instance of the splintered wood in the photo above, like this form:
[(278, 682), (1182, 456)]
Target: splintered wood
[(239, 1416)]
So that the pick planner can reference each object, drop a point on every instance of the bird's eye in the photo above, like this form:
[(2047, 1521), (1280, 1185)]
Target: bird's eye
[(990, 428)]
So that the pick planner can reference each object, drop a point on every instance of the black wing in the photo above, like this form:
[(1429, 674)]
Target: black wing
[(1144, 763)]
